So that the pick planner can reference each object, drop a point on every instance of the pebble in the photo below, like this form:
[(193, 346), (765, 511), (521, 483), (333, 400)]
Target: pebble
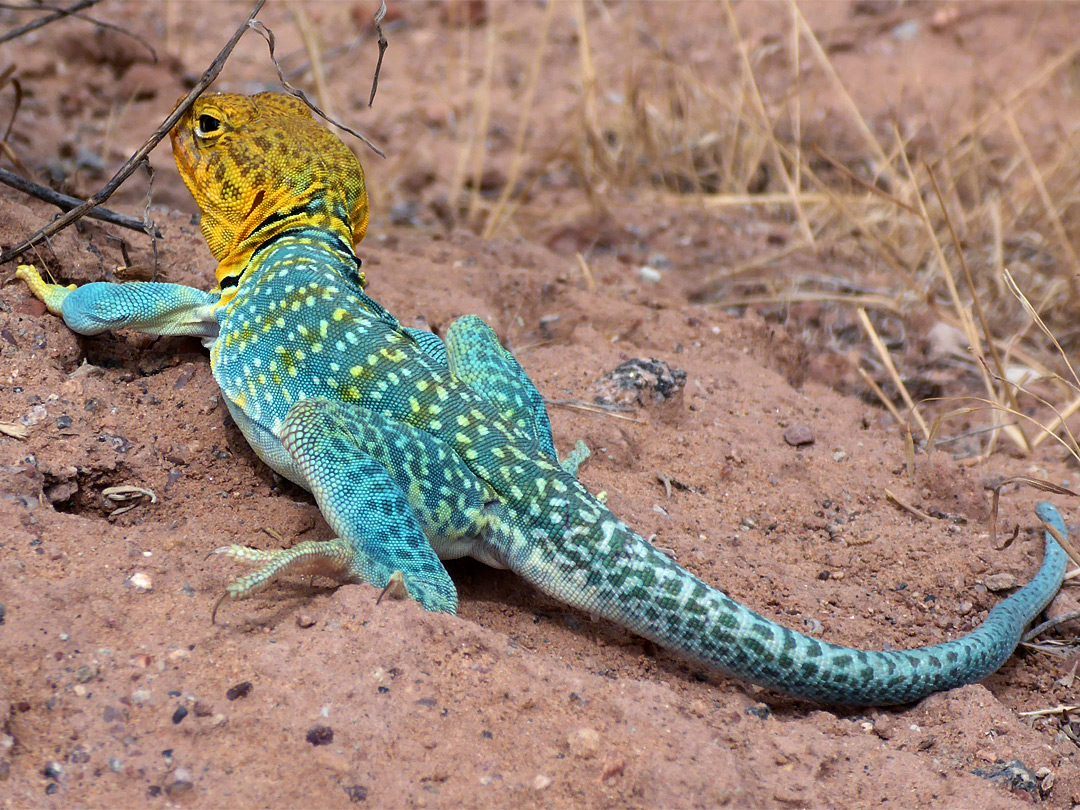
[(86, 673), (179, 715), (542, 782), (356, 793), (33, 416), (304, 620), (799, 435), (203, 709), (320, 735), (53, 770), (1000, 582), (115, 765), (584, 743), (242, 689), (649, 275), (140, 697), (140, 582), (180, 782)]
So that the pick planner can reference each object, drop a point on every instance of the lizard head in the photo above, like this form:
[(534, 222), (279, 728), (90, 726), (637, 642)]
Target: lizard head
[(261, 165)]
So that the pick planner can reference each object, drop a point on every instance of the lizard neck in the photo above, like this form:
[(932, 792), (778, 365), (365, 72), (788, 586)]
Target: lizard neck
[(313, 230)]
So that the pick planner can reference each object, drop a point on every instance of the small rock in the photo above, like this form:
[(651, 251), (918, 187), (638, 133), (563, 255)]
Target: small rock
[(542, 782), (203, 709), (79, 754), (140, 697), (140, 582), (115, 765), (1013, 775), (648, 274), (799, 435), (86, 673), (304, 620), (179, 782), (1000, 582), (320, 735), (356, 793), (53, 770), (179, 715), (242, 689), (33, 416), (612, 767), (584, 743)]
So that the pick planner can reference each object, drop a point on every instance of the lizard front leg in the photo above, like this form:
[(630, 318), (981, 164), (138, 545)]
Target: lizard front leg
[(153, 308)]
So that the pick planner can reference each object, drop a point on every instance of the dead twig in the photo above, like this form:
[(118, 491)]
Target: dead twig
[(379, 15), (66, 203), (73, 11), (133, 162), (1049, 624), (292, 90)]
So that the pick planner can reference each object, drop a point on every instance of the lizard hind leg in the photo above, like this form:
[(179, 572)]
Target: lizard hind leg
[(340, 452), (476, 357)]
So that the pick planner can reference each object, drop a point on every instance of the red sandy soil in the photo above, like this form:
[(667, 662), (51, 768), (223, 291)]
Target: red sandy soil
[(112, 695)]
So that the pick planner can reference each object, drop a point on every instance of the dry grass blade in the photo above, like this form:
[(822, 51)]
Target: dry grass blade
[(41, 21), (848, 101), (1059, 709), (1044, 196), (919, 513), (586, 272), (1050, 624), (881, 396), (313, 47), (1068, 441), (759, 108), (523, 127), (1014, 288), (886, 360), (478, 144), (976, 304)]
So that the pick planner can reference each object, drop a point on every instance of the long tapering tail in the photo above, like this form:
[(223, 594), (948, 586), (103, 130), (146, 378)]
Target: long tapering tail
[(600, 565)]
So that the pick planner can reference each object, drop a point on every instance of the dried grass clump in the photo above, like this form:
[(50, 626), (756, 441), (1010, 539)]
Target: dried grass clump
[(968, 223)]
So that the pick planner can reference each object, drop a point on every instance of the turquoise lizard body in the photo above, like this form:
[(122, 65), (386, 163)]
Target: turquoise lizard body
[(418, 451)]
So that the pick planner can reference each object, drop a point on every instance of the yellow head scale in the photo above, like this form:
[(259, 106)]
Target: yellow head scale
[(260, 165)]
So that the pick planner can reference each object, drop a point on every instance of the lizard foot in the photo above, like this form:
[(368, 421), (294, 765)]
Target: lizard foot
[(330, 558), (52, 295)]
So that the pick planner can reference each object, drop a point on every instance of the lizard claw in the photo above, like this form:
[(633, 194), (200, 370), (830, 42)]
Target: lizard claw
[(395, 588)]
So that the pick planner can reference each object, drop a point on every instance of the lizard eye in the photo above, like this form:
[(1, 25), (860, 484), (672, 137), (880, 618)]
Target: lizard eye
[(207, 125)]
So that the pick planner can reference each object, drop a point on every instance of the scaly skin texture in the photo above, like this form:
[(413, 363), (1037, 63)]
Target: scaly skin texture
[(418, 451)]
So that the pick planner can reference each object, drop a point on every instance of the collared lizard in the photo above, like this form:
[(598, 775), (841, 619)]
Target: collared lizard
[(418, 451)]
